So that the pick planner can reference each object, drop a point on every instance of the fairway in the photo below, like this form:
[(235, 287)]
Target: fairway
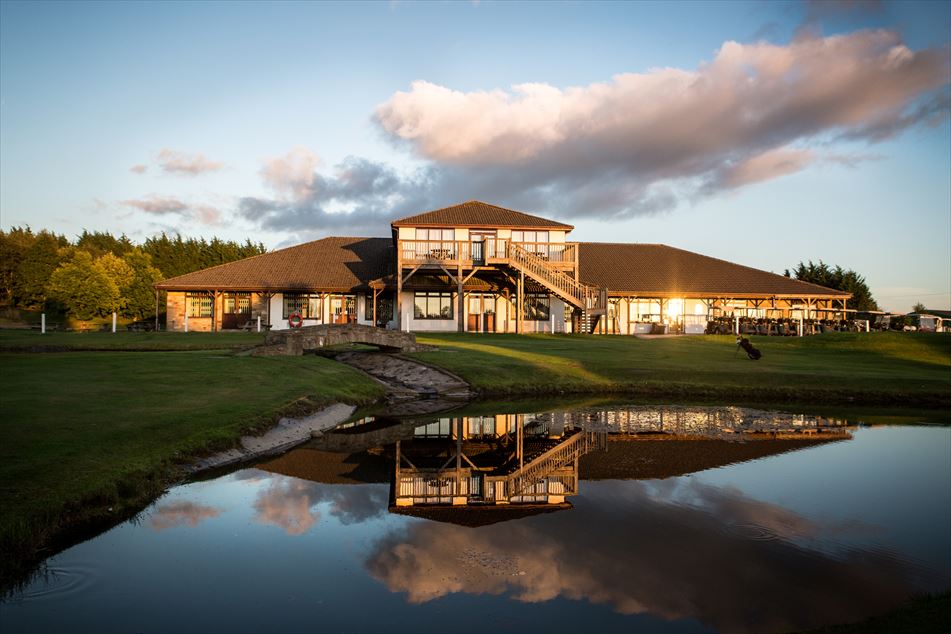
[(864, 367)]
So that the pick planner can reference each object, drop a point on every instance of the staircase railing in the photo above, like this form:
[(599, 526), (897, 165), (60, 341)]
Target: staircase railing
[(578, 293), (555, 458)]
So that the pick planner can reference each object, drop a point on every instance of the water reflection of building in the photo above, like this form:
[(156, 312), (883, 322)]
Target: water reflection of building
[(539, 458), (500, 459)]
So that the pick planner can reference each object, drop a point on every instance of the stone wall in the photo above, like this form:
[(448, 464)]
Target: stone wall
[(296, 342)]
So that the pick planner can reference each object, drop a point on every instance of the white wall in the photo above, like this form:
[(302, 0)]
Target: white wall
[(505, 316)]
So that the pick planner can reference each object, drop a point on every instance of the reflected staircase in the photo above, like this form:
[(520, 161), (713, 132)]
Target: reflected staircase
[(544, 462)]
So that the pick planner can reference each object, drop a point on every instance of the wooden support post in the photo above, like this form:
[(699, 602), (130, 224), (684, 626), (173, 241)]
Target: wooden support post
[(376, 292), (459, 456), (156, 309), (461, 301), (520, 301), (214, 311), (520, 439), (399, 295)]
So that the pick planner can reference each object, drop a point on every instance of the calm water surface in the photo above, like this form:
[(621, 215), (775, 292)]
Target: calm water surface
[(823, 534)]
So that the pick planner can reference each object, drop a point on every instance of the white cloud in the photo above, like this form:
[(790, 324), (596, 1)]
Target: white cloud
[(174, 162), (640, 143), (747, 116), (155, 204), (292, 175)]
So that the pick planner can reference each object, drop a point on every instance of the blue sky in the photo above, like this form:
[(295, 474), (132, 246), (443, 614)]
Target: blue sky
[(761, 133)]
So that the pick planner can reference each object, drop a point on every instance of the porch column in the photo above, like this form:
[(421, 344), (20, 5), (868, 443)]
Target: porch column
[(375, 293), (459, 456), (521, 303), (461, 300), (399, 297), (156, 309), (214, 311)]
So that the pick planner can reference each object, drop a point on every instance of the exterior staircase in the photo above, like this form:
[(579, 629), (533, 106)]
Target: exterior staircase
[(590, 300)]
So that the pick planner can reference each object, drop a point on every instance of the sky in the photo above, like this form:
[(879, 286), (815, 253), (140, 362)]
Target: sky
[(761, 133)]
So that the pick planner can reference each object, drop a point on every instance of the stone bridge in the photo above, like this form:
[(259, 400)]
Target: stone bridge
[(297, 341)]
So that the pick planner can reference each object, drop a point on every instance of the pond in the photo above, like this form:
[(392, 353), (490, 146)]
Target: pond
[(672, 519)]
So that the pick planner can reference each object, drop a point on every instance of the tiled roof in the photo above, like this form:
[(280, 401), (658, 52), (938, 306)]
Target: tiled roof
[(662, 271), (350, 264), (331, 264), (475, 213)]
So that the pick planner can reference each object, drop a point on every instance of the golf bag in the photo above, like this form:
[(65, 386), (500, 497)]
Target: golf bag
[(751, 352)]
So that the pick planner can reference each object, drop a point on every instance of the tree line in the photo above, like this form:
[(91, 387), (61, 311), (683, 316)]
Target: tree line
[(838, 278), (98, 273)]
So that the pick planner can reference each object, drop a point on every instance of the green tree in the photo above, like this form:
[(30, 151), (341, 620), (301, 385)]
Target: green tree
[(138, 294), (13, 246), (839, 279), (33, 271), (177, 256), (100, 243), (84, 286), (918, 308), (121, 274)]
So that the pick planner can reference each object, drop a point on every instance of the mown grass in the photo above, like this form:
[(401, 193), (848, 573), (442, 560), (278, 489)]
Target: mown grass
[(86, 431), (33, 341), (896, 368)]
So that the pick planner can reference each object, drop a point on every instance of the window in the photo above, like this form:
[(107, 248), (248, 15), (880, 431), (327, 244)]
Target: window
[(343, 309), (534, 242), (480, 303), (436, 234), (384, 308), (529, 236), (440, 429), (481, 425), (307, 304), (537, 307), (198, 305), (433, 306), (237, 304)]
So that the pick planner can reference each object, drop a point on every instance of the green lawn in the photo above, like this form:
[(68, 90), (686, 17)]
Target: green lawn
[(83, 431), (898, 368), (26, 340)]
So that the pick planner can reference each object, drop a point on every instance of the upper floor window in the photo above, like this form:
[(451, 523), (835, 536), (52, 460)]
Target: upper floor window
[(434, 235), (529, 236)]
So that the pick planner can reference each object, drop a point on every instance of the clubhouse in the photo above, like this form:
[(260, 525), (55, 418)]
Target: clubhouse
[(478, 267)]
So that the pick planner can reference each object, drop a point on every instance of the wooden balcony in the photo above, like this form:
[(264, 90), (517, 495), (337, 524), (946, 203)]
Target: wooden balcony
[(561, 255)]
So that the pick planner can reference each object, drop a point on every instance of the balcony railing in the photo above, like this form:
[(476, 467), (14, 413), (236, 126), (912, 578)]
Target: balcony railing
[(475, 253)]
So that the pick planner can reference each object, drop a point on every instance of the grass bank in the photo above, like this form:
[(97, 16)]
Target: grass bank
[(884, 368), (87, 436)]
